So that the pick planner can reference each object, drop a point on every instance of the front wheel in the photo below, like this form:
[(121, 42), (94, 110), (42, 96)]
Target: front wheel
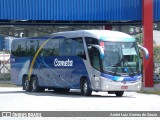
[(85, 89), (35, 87), (119, 93)]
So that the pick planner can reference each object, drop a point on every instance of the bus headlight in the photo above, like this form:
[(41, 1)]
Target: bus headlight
[(139, 79), (109, 80)]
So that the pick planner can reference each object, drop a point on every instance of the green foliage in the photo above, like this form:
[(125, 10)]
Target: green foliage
[(157, 59), (138, 38), (157, 53), (5, 76)]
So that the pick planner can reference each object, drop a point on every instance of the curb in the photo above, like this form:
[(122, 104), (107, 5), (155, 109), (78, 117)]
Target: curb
[(5, 82)]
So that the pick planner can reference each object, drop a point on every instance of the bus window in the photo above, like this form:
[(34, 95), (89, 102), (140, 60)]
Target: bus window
[(14, 47), (33, 47), (95, 61), (66, 47), (18, 48), (90, 40), (78, 47), (52, 48)]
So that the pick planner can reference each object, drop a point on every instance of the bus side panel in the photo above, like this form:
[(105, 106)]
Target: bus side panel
[(19, 67), (74, 75), (43, 70), (54, 72)]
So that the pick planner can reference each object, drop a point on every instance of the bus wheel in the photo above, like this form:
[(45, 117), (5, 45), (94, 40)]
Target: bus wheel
[(35, 87), (85, 89), (119, 93), (27, 85)]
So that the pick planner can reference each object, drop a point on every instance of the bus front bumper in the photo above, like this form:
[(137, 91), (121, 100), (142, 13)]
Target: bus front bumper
[(105, 84)]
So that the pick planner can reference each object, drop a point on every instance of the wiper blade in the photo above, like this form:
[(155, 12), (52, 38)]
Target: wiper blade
[(118, 64), (131, 74)]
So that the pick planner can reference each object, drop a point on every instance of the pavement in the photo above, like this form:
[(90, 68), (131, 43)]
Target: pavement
[(15, 99)]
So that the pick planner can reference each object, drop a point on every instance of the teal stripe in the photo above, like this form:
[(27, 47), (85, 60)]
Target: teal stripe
[(117, 39)]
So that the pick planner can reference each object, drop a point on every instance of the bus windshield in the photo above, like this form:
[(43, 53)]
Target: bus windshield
[(121, 58)]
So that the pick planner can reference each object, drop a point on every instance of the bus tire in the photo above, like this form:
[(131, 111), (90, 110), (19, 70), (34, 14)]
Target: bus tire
[(34, 85), (85, 89), (26, 84), (119, 93)]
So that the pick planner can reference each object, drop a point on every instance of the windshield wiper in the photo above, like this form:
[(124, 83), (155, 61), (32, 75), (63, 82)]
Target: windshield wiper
[(119, 64), (120, 60), (131, 74)]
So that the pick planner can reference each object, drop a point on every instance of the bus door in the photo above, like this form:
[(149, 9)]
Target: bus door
[(96, 66), (93, 54)]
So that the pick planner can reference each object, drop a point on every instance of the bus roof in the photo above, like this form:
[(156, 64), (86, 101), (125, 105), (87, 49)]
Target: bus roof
[(103, 35)]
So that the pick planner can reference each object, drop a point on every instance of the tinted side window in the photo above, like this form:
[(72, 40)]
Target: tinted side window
[(19, 48), (78, 47), (90, 40), (51, 48), (32, 46), (41, 52), (66, 47), (94, 57), (72, 47), (24, 48), (14, 47)]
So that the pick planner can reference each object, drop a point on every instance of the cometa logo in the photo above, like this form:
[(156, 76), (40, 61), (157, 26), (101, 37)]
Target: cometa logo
[(63, 63)]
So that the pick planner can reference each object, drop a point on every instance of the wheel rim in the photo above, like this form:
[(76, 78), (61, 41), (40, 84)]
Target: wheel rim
[(26, 84), (85, 87), (34, 84)]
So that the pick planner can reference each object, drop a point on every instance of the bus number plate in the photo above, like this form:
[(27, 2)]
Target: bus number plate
[(124, 87)]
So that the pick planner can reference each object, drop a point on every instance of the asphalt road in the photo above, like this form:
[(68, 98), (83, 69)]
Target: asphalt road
[(15, 99)]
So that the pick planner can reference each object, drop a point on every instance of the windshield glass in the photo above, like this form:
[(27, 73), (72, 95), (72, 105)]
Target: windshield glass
[(121, 58)]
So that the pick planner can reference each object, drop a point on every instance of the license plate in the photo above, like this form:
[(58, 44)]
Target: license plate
[(124, 87)]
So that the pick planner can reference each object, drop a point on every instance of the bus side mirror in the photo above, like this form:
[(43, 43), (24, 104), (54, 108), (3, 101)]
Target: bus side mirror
[(101, 51), (145, 51)]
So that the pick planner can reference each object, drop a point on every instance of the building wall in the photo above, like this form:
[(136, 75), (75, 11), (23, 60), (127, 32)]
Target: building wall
[(71, 10), (156, 10), (1, 42)]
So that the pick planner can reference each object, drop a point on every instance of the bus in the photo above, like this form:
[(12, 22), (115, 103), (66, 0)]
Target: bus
[(89, 60)]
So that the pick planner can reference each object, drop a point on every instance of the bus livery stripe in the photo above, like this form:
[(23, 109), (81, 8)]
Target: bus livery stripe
[(35, 56)]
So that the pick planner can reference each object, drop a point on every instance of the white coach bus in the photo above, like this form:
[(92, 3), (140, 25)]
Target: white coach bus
[(90, 60)]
